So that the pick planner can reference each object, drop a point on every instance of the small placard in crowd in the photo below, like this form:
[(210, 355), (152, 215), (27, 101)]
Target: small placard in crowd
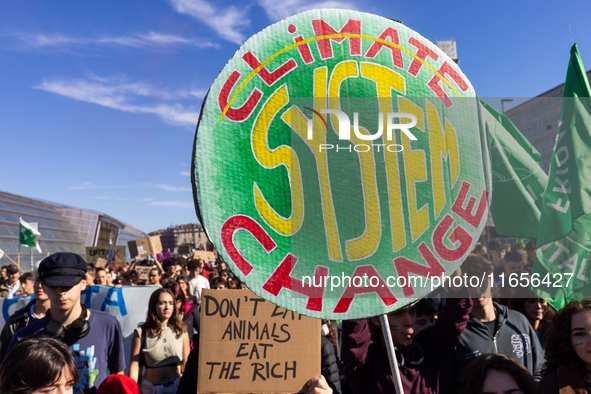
[(249, 345)]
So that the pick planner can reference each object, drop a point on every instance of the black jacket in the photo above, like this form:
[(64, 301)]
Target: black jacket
[(329, 365), (18, 320), (192, 320)]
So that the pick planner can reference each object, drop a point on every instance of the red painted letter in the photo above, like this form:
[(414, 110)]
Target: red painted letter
[(364, 273), (321, 28), (466, 214), (236, 223), (269, 77), (404, 266), (446, 68), (458, 234), (242, 113), (396, 52), (281, 278), (422, 54)]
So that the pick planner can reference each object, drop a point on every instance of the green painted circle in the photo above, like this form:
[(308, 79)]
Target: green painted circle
[(381, 230)]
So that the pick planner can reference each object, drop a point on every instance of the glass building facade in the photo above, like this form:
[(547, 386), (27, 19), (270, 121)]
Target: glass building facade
[(62, 228)]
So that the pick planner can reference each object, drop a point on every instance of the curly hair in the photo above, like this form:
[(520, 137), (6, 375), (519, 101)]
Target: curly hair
[(475, 374), (559, 349)]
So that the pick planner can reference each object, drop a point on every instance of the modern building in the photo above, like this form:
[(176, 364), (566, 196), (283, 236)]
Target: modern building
[(63, 229), (537, 119), (188, 235)]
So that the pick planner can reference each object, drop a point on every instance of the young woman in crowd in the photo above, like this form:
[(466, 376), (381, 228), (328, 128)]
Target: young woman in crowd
[(536, 310), (161, 345), (181, 301), (568, 350), (497, 373), (186, 289), (189, 313), (37, 365)]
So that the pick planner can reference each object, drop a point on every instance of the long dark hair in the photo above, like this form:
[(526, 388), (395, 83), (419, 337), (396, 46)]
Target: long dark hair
[(36, 362), (523, 295), (475, 374), (153, 323), (559, 348), (179, 295), (186, 282)]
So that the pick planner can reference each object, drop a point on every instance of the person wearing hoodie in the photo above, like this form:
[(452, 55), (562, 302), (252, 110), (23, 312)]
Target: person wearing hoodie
[(34, 311), (419, 357), (492, 328)]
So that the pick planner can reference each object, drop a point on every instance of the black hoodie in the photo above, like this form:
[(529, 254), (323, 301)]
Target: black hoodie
[(513, 336)]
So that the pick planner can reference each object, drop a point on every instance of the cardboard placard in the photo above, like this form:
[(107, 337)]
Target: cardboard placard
[(143, 272), (145, 246), (101, 263), (208, 257), (114, 257), (248, 345), (184, 249)]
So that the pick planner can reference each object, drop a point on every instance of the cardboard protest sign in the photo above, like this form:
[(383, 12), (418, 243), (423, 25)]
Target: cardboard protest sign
[(248, 345), (143, 272), (313, 208), (114, 257), (208, 257), (101, 263), (145, 246)]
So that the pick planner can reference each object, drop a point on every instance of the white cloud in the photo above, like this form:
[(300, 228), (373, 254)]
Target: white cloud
[(278, 10), (149, 40), (84, 186), (227, 22), (173, 204), (173, 188), (110, 198), (123, 96), (185, 173)]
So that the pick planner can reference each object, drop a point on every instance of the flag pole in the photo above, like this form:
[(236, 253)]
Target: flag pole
[(13, 262), (391, 353), (19, 256)]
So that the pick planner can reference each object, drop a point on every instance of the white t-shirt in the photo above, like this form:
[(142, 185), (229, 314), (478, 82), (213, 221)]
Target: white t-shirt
[(196, 285)]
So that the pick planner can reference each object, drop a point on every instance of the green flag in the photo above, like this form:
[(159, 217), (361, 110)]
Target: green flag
[(29, 236), (561, 272), (518, 179)]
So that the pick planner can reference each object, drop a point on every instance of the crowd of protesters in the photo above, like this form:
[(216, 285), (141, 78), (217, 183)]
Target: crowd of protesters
[(487, 339)]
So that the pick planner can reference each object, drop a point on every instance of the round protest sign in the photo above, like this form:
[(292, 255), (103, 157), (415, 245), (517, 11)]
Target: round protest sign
[(339, 165)]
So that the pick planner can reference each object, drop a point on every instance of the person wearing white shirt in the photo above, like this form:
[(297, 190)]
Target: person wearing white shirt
[(196, 281), (13, 284)]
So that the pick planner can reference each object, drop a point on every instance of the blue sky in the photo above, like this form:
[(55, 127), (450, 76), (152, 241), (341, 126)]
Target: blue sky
[(100, 99)]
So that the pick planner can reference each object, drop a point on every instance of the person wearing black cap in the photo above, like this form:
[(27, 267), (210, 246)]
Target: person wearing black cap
[(95, 337), (12, 286)]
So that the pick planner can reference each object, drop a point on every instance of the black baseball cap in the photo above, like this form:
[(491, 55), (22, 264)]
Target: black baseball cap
[(62, 269)]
